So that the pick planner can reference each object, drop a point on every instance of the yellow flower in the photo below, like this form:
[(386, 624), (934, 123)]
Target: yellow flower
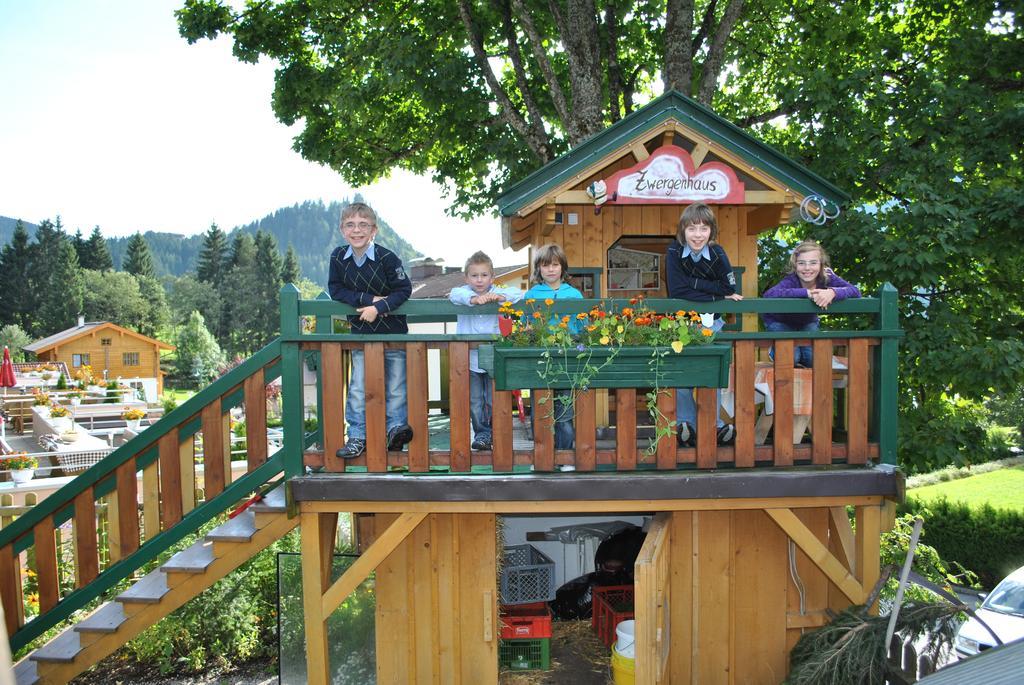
[(530, 301), (677, 346), (620, 329), (519, 312), (581, 316), (549, 302), (707, 332), (604, 339), (591, 329)]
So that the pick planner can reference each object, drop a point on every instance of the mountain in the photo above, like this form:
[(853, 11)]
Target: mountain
[(310, 227)]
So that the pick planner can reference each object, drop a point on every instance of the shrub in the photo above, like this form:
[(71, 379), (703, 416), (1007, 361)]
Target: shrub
[(988, 541), (62, 383)]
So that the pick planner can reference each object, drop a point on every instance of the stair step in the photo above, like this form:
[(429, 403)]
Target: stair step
[(239, 529), (60, 650), (193, 559), (148, 590), (272, 503), (104, 620), (25, 673)]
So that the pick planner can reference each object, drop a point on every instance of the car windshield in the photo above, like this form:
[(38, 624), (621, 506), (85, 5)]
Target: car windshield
[(1007, 598)]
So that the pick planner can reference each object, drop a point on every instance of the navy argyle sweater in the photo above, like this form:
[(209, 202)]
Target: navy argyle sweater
[(382, 275), (702, 281)]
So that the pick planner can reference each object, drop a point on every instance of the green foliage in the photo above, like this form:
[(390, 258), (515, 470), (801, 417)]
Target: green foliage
[(14, 338), (169, 403), (290, 271), (62, 383), (63, 290), (113, 296), (1000, 488), (94, 253), (16, 299), (138, 259), (988, 541), (188, 294), (927, 562), (211, 264), (197, 355)]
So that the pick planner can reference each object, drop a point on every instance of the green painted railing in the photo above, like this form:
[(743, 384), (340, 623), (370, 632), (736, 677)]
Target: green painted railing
[(874, 342), (164, 456)]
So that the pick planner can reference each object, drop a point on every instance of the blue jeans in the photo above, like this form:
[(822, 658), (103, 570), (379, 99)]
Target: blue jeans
[(560, 407), (480, 405), (686, 408), (396, 400), (803, 355)]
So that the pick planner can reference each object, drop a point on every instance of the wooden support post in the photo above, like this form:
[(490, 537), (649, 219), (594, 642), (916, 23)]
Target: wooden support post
[(543, 430), (418, 388), (707, 418), (333, 416), (87, 565), (667, 445), (806, 540), (461, 459), (255, 420), (501, 435), (46, 564), (868, 547), (127, 507), (151, 500), (316, 565), (187, 456), (214, 477), (857, 403), (744, 402), (586, 431), (375, 387), (821, 398), (783, 402), (170, 479)]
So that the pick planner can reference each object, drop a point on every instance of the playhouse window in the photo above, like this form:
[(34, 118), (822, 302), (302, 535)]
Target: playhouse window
[(78, 360), (633, 269), (130, 359)]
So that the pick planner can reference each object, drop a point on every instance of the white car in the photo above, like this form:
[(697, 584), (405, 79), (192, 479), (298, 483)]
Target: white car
[(1002, 611)]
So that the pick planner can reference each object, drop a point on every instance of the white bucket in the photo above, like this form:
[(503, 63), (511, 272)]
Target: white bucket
[(625, 638)]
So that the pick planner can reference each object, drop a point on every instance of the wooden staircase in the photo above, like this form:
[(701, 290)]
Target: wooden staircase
[(183, 577)]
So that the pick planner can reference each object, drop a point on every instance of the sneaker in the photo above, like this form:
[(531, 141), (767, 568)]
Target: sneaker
[(352, 449), (685, 435), (726, 434), (399, 437), (481, 443)]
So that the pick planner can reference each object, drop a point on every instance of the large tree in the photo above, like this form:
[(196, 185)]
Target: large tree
[(914, 107), (265, 299), (114, 296), (197, 355), (62, 298), (94, 253)]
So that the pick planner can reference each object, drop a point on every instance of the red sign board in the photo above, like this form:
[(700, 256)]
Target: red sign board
[(668, 176)]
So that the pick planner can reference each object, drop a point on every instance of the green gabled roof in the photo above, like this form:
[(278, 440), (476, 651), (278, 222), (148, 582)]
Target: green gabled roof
[(688, 112)]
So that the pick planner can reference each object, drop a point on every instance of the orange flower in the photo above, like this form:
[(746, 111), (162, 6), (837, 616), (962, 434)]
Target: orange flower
[(680, 313), (565, 319), (549, 302), (627, 312), (591, 329), (694, 316), (634, 300), (581, 316), (530, 301), (536, 315), (563, 325), (707, 332)]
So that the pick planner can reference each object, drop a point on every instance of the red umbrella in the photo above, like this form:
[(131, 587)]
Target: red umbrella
[(7, 379)]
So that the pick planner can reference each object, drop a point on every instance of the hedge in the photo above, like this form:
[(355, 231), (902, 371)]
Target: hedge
[(985, 540)]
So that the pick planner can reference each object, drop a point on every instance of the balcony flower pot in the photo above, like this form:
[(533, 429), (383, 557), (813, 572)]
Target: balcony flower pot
[(133, 425), (22, 476), (696, 366)]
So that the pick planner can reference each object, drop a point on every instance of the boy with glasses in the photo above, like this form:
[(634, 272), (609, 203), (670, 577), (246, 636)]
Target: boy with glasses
[(372, 279)]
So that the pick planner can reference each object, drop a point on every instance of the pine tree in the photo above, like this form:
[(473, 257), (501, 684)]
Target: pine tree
[(290, 271), (79, 243), (268, 289), (46, 258), (17, 299), (239, 319), (138, 260), (212, 262), (158, 314), (62, 299), (96, 255)]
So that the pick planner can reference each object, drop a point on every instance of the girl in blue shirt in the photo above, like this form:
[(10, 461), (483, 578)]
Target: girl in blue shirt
[(550, 266)]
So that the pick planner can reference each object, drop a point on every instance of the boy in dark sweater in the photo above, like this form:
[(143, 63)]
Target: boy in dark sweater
[(698, 269), (372, 279)]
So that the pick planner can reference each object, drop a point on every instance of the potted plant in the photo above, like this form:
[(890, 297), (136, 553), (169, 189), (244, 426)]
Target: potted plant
[(75, 396), (40, 399), (21, 466), (133, 418), (60, 417)]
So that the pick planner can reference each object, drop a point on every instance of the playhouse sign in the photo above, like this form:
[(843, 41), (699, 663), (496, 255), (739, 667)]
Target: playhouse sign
[(668, 175)]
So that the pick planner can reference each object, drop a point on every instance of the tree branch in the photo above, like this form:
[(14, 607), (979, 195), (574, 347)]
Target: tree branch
[(509, 113), (554, 86), (754, 119), (705, 27), (612, 58), (713, 63), (678, 67), (536, 121)]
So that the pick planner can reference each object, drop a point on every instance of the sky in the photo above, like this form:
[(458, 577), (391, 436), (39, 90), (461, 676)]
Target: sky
[(108, 117)]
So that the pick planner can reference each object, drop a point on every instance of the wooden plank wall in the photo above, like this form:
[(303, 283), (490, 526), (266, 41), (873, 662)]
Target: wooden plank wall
[(441, 626), (732, 596)]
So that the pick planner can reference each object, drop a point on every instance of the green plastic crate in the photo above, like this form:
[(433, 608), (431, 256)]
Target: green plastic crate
[(525, 655)]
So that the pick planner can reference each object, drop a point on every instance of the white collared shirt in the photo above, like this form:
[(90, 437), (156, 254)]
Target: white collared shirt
[(370, 254), (705, 252)]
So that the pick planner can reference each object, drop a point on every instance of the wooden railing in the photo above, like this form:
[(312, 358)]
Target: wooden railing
[(158, 468), (868, 400)]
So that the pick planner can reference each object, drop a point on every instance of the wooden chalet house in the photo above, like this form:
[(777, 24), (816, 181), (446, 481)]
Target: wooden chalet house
[(716, 599), (111, 350)]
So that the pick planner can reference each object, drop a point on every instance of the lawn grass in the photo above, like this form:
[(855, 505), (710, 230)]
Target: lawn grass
[(1002, 489), (179, 396)]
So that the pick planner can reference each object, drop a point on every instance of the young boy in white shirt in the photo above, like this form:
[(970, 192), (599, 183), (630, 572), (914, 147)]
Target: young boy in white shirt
[(480, 289)]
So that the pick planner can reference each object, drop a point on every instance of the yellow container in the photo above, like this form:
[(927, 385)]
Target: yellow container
[(623, 669)]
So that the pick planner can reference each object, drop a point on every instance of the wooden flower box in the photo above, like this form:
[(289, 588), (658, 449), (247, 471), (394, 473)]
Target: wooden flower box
[(697, 366)]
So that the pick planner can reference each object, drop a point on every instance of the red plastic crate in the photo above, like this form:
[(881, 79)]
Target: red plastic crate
[(525, 621), (611, 604)]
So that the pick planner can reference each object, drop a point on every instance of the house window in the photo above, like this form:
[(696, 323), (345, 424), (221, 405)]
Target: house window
[(633, 269), (79, 360), (104, 341), (130, 359)]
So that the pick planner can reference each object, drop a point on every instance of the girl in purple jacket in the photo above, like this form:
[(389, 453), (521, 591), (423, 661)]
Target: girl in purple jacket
[(809, 276)]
